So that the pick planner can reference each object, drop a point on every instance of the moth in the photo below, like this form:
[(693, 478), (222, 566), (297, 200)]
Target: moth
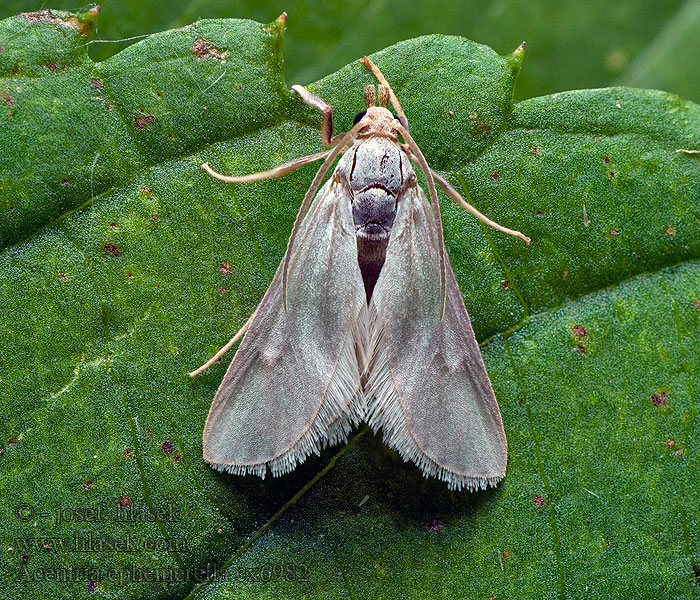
[(363, 321)]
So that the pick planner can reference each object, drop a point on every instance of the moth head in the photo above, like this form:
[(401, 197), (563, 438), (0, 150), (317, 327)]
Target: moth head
[(378, 120)]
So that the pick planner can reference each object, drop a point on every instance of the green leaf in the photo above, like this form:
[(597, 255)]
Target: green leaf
[(114, 284)]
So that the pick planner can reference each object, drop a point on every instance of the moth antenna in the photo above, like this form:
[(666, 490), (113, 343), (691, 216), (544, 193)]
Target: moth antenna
[(382, 80), (310, 193), (369, 96), (383, 95), (436, 212)]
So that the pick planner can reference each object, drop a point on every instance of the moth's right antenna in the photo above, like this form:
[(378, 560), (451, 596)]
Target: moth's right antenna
[(382, 80)]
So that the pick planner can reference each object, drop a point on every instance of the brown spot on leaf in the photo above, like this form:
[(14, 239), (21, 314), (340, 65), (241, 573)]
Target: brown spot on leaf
[(579, 331), (127, 452), (451, 113), (97, 83), (505, 284), (113, 225), (581, 349), (225, 268), (494, 175), (535, 150), (659, 399), (434, 525), (112, 249), (612, 173), (15, 70), (2, 451), (680, 452), (670, 231), (91, 585), (606, 159), (66, 182), (205, 49), (670, 443), (539, 500), (696, 304), (143, 119), (613, 231), (177, 457), (154, 218), (222, 291), (506, 554), (88, 484), (167, 447), (539, 213), (219, 531), (81, 24), (12, 441), (62, 276), (53, 67), (124, 501), (6, 99)]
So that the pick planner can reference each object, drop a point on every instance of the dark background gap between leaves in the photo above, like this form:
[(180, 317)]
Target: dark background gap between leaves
[(597, 389)]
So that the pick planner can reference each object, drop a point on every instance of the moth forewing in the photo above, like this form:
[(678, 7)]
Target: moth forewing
[(427, 388), (294, 384)]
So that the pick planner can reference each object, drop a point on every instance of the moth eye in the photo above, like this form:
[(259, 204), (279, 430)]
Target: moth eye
[(358, 116)]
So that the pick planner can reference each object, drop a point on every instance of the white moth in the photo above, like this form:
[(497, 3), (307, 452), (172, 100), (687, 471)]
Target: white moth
[(363, 321)]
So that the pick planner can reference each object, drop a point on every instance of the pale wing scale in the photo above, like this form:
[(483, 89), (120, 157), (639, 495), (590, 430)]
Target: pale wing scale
[(427, 387), (293, 386)]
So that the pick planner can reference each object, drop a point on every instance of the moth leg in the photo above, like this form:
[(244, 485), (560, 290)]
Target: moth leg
[(454, 194), (278, 171), (316, 102), (223, 350)]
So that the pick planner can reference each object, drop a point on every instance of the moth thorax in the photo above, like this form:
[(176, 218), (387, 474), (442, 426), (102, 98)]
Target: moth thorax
[(373, 211)]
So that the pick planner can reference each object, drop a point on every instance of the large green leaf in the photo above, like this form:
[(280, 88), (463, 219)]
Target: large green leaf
[(114, 285)]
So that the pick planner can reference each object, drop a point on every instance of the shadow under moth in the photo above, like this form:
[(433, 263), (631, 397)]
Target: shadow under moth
[(363, 321)]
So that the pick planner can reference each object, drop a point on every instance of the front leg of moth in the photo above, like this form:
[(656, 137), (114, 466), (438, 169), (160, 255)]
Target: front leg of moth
[(315, 102)]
